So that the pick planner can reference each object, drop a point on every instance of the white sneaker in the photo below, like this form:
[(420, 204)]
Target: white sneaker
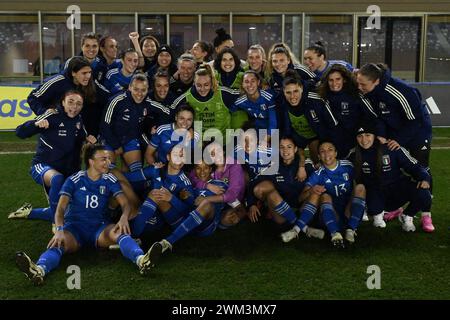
[(337, 240), (365, 217), (33, 272), (407, 223), (350, 235), (289, 235), (315, 233), (378, 221), (22, 213), (166, 245), (148, 261)]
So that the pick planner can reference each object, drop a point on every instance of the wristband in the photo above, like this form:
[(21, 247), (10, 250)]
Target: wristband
[(59, 228)]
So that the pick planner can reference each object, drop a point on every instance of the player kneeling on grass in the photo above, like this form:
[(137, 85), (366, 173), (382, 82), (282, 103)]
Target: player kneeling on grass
[(381, 171), (60, 131), (202, 221), (80, 219), (330, 187)]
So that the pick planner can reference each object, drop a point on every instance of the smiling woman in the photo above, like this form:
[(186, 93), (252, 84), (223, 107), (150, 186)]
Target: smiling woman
[(60, 131), (78, 75)]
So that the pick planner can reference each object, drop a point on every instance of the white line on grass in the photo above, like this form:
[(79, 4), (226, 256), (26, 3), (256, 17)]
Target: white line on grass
[(16, 152)]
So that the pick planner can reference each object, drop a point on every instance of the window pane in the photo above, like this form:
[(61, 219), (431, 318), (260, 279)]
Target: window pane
[(335, 33), (183, 33), (405, 48), (437, 63), (118, 26), (255, 29), (154, 26), (372, 46), (396, 43), (211, 23), (86, 27), (56, 42), (293, 34), (19, 52)]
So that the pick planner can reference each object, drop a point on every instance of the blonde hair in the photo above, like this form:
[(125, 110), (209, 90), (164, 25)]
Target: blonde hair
[(258, 47), (206, 69), (280, 47)]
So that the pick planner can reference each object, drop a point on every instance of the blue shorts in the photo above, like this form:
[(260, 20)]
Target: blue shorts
[(38, 171), (153, 226), (132, 145), (85, 234)]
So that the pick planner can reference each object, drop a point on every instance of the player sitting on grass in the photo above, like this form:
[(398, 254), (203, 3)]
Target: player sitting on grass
[(202, 221), (331, 187), (80, 219)]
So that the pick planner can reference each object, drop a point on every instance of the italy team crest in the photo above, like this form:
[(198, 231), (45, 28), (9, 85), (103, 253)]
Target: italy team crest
[(386, 160)]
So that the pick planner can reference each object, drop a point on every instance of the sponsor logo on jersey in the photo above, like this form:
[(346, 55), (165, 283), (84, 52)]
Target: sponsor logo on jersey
[(328, 181), (345, 108), (383, 108), (313, 115), (61, 124), (83, 188)]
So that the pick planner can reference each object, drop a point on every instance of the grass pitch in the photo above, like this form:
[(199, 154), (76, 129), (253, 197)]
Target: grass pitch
[(245, 262)]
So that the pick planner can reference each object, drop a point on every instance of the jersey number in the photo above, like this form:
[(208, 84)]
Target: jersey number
[(341, 187), (91, 202)]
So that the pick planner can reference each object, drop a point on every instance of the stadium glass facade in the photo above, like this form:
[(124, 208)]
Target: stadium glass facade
[(416, 46)]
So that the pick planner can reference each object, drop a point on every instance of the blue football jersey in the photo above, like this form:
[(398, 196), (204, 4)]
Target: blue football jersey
[(338, 182), (115, 80), (262, 110), (162, 140), (89, 199), (181, 188), (206, 192), (256, 163)]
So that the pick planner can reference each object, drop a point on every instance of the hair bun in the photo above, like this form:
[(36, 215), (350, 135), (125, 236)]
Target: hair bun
[(221, 32), (319, 43)]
